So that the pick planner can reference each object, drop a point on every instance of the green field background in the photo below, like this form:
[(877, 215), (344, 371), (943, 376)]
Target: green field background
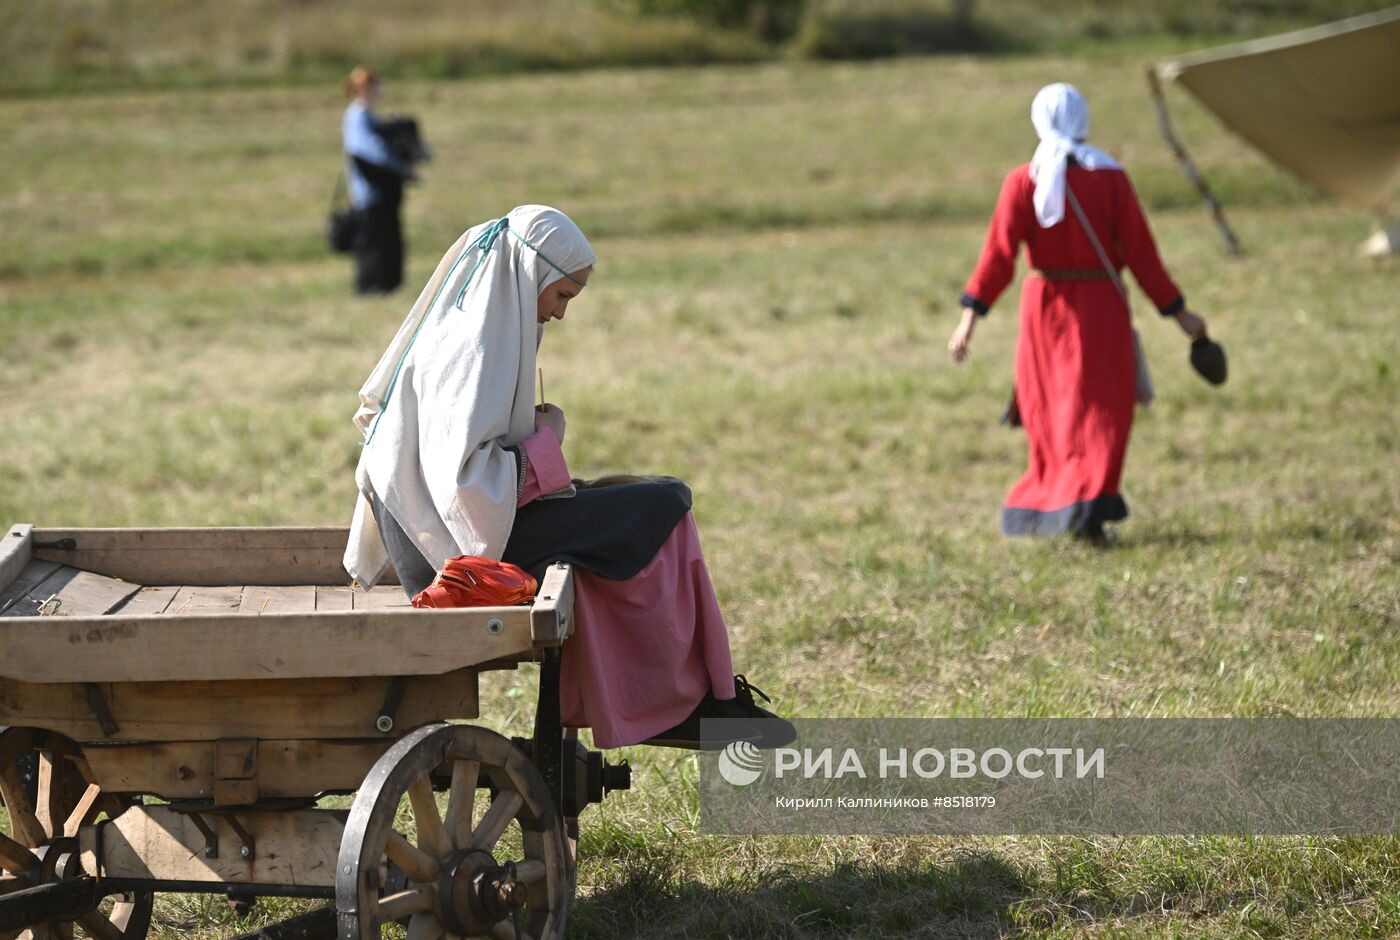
[(781, 247)]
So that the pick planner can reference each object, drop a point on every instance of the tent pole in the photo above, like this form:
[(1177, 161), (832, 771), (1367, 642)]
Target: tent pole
[(1187, 166)]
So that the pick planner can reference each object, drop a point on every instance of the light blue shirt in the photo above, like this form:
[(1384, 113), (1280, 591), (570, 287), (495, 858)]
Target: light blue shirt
[(362, 140)]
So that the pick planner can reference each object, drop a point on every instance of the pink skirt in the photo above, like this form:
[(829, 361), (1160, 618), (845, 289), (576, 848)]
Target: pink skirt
[(645, 650)]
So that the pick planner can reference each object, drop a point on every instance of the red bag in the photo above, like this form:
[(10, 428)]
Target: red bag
[(473, 581)]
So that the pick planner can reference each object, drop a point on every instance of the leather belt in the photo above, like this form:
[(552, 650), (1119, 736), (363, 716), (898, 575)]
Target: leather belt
[(1071, 274)]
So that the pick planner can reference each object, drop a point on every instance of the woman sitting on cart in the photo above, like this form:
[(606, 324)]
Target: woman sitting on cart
[(457, 460)]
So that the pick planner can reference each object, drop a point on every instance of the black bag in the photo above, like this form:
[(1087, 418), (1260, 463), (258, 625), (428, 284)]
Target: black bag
[(1208, 358), (343, 223), (401, 136)]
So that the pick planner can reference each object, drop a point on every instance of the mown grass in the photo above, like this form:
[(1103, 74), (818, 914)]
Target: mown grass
[(781, 250), (64, 46)]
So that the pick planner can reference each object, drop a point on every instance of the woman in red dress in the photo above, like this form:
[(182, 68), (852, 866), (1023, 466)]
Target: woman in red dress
[(1075, 361)]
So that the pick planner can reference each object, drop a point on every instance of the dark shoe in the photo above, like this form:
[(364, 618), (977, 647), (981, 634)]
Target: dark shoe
[(1094, 534), (726, 721), (773, 731)]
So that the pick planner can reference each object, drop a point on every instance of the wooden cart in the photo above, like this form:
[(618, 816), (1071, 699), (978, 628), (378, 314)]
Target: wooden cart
[(177, 703)]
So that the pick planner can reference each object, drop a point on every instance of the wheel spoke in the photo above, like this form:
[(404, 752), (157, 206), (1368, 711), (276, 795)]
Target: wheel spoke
[(48, 808), (14, 856), (431, 836), (405, 903), (84, 769), (505, 930), (419, 865), (461, 801), (23, 823), (83, 812), (98, 927), (493, 824), (13, 743), (129, 908), (424, 926)]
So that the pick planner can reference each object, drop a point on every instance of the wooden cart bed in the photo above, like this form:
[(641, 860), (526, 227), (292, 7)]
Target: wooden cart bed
[(73, 592), (162, 605), (183, 634)]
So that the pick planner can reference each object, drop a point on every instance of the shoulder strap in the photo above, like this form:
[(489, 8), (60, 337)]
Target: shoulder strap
[(1094, 240)]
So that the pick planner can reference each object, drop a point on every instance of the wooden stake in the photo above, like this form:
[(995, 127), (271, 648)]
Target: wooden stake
[(1154, 82)]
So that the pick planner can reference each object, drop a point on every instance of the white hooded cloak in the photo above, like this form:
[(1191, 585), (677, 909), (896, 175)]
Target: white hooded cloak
[(454, 389)]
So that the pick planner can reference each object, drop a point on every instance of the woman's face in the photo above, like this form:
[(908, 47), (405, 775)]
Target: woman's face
[(554, 299)]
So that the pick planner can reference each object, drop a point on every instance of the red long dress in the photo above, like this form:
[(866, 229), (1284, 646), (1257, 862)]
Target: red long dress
[(1075, 365)]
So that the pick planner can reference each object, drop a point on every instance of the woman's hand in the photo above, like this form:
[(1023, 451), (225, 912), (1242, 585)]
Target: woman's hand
[(962, 336), (1192, 325), (552, 417)]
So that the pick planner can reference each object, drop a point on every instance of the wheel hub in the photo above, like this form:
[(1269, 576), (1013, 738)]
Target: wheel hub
[(58, 859), (475, 892)]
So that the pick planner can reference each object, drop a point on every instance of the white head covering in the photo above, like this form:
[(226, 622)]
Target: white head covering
[(455, 386), (1061, 118)]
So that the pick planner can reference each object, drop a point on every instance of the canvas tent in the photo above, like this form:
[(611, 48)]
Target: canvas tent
[(1323, 103)]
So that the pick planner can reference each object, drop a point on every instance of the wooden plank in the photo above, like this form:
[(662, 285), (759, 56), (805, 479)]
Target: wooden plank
[(243, 688), (334, 597), (205, 599), (236, 792), (290, 847), (175, 648), (275, 709), (236, 758), (15, 552), (235, 771), (551, 616), (15, 597), (207, 556), (184, 770), (90, 595), (41, 594), (382, 597), (72, 593), (148, 601), (278, 599)]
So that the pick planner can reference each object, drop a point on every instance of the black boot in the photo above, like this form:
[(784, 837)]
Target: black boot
[(728, 720)]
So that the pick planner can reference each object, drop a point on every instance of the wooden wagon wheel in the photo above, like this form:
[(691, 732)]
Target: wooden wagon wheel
[(44, 817), (450, 881)]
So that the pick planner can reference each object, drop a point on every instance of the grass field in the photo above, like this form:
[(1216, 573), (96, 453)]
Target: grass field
[(781, 248)]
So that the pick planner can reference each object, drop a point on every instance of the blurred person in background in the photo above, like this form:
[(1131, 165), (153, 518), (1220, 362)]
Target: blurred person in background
[(1076, 362), (379, 159)]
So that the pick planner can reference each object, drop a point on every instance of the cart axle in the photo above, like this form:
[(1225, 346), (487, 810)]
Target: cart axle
[(59, 900)]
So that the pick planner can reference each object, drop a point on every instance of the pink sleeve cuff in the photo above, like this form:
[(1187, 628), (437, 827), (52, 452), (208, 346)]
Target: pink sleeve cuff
[(545, 470)]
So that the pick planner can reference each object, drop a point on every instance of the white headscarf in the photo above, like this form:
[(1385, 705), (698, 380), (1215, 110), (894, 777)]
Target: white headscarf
[(1061, 118), (454, 387)]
